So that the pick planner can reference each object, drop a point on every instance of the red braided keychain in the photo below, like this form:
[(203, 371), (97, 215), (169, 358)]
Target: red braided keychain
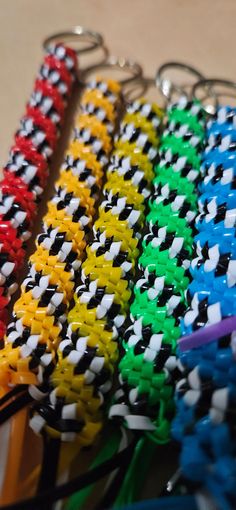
[(26, 172)]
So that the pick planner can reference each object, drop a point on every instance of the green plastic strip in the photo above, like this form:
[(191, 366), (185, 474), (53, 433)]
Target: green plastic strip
[(111, 446), (135, 476)]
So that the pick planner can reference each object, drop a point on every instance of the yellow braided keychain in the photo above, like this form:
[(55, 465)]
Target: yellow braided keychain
[(97, 100)]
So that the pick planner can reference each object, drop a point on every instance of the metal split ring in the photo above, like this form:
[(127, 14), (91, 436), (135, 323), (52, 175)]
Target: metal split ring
[(168, 87), (78, 33), (121, 63), (210, 84)]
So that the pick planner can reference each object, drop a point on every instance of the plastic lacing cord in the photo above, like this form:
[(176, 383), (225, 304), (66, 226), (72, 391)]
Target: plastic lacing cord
[(89, 349), (111, 446), (173, 503), (25, 173), (47, 497), (29, 352), (144, 399), (205, 397)]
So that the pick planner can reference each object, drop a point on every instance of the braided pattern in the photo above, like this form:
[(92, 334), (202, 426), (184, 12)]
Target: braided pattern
[(29, 353), (206, 394), (147, 370), (89, 350), (25, 174)]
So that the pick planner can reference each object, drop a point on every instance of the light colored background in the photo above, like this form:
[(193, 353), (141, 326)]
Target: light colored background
[(197, 31)]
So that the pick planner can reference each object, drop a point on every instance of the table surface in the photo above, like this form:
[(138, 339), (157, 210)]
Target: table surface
[(152, 31)]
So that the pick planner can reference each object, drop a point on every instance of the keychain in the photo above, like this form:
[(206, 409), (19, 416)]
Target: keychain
[(26, 171), (205, 396)]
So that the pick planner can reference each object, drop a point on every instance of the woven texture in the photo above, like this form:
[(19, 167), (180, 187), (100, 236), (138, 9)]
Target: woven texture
[(26, 171), (29, 353), (205, 396), (89, 350), (148, 368)]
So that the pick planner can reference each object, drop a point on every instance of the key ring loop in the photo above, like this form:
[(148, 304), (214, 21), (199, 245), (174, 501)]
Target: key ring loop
[(210, 83), (166, 86), (95, 40), (120, 63), (143, 84)]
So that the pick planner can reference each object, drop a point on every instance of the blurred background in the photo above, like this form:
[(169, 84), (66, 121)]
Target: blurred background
[(200, 32)]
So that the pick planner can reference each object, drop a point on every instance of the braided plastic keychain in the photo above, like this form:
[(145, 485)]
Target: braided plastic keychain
[(206, 396), (26, 171), (30, 351), (144, 398)]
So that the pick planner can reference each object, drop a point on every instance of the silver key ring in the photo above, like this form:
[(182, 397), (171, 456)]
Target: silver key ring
[(168, 87), (210, 84), (120, 63), (142, 85), (78, 33)]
